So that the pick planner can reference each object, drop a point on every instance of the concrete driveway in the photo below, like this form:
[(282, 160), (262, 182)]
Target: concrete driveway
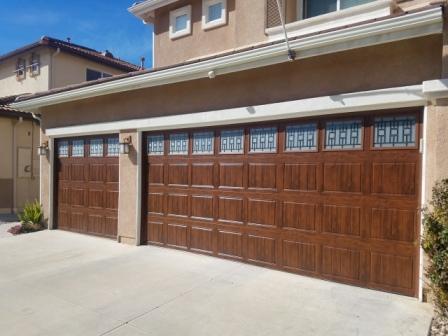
[(59, 283)]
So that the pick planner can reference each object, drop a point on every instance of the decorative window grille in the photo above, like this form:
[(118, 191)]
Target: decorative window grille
[(345, 134), (63, 149), (78, 148), (301, 137), (232, 142), (156, 144), (113, 147), (391, 132), (203, 143), (179, 144), (96, 147), (263, 140)]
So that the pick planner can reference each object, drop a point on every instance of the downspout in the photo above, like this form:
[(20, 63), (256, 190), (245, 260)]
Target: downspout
[(291, 53), (14, 165), (50, 70)]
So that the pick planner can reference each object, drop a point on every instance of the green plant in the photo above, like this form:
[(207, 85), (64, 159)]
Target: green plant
[(31, 217), (435, 244)]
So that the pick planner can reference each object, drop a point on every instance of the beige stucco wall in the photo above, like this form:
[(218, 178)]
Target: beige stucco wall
[(245, 25), (9, 85), (6, 176)]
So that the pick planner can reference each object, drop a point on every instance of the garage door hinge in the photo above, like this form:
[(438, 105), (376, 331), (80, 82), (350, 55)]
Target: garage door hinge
[(421, 145)]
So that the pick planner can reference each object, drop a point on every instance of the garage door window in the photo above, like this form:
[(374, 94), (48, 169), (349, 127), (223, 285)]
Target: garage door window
[(155, 144), (179, 144), (78, 148), (343, 135), (203, 143), (263, 140), (232, 142), (113, 147), (96, 148), (391, 132), (63, 149), (301, 137)]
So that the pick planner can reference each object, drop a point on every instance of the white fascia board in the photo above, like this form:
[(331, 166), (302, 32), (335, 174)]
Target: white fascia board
[(436, 89), (408, 26), (146, 8), (390, 98)]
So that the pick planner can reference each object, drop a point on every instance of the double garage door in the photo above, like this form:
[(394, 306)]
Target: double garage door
[(334, 198)]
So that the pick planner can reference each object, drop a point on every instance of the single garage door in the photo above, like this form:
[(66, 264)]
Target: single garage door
[(86, 188), (335, 198)]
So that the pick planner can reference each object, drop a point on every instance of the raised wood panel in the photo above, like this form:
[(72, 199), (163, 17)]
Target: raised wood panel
[(299, 256), (300, 177), (63, 219), (64, 173), (77, 172), (96, 198), (341, 219), (111, 200), (156, 233), (156, 173), (178, 174), (110, 226), (262, 212), (77, 198), (201, 239), (394, 178), (202, 207), (393, 224), (340, 262), (300, 216), (261, 249), (392, 270), (230, 244), (177, 205), (77, 221), (231, 175), (96, 172), (176, 235), (343, 177), (155, 203), (231, 209), (95, 224), (64, 196), (262, 176), (112, 173), (202, 175)]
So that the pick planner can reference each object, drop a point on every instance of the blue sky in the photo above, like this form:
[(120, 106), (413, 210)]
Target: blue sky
[(98, 24)]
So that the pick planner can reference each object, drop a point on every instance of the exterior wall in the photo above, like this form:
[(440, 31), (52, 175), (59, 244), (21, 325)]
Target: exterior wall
[(9, 85), (6, 169), (361, 70), (245, 25), (68, 69)]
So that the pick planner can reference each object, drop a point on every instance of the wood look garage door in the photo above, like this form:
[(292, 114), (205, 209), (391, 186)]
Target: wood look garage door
[(335, 198), (86, 188)]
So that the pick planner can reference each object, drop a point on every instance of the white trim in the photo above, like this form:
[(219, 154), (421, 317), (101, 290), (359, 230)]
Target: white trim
[(206, 24), (174, 14), (338, 18), (423, 203), (51, 185), (139, 188), (344, 103), (435, 89), (145, 10), (403, 27)]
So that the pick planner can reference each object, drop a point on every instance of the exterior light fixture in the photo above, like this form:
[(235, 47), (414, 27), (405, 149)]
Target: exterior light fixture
[(124, 145), (211, 74), (42, 150)]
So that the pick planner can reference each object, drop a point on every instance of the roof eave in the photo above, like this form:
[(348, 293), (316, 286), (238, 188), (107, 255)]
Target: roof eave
[(145, 10)]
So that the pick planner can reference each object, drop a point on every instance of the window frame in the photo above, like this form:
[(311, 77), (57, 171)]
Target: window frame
[(34, 66), (20, 68), (301, 9), (206, 24), (174, 14), (101, 73)]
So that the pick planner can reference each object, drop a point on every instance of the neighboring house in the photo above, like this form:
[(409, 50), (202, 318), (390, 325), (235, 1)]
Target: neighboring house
[(317, 166), (47, 64)]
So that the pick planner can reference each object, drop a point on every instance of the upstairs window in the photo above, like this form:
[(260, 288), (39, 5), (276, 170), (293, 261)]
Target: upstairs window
[(92, 75), (214, 13), (180, 22), (20, 69), (314, 8), (34, 66)]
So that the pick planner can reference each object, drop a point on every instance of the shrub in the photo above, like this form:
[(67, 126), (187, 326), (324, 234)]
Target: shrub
[(15, 230), (31, 217), (435, 244)]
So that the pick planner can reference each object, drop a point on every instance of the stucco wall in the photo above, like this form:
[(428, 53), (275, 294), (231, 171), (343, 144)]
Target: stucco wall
[(357, 70), (9, 85), (245, 25)]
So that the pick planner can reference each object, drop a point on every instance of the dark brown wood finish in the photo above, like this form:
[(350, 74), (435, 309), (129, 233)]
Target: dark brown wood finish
[(86, 191), (350, 216)]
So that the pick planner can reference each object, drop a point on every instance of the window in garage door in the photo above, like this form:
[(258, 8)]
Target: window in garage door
[(86, 188), (334, 197)]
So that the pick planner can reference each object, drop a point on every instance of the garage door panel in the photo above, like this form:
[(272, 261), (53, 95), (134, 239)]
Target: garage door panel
[(77, 172), (341, 209)]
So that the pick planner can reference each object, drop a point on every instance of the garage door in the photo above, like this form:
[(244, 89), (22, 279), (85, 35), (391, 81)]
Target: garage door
[(86, 188), (334, 198)]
